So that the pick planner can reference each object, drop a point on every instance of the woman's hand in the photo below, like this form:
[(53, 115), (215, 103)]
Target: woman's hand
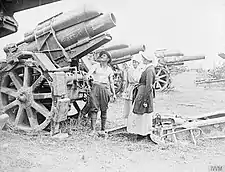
[(113, 97)]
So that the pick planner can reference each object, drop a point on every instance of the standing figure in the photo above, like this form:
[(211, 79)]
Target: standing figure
[(131, 79), (101, 91), (140, 119)]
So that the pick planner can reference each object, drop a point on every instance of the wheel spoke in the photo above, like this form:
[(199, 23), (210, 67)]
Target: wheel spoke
[(160, 80), (16, 80), (156, 85), (27, 76), (162, 76), (38, 96), (19, 116), (9, 91), (157, 74), (25, 109), (159, 85), (41, 109), (11, 105), (37, 82), (32, 117)]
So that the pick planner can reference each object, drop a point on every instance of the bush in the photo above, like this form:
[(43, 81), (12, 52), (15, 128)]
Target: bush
[(218, 72)]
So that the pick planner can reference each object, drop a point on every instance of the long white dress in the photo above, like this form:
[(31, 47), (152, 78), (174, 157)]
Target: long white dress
[(132, 78), (139, 124)]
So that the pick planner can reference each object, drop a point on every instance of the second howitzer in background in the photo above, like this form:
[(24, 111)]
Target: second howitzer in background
[(166, 60)]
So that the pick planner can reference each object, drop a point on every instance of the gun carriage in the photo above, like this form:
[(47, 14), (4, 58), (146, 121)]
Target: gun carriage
[(41, 75), (166, 60)]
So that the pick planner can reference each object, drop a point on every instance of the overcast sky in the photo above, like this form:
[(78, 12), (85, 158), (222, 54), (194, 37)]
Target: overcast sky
[(191, 26)]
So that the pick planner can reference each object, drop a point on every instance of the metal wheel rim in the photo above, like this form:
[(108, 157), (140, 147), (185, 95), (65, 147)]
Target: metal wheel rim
[(26, 96)]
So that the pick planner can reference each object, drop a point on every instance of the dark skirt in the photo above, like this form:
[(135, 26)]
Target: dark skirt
[(143, 102)]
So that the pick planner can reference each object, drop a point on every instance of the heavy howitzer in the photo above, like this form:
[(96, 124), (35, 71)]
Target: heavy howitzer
[(42, 76), (120, 54), (64, 37), (166, 60)]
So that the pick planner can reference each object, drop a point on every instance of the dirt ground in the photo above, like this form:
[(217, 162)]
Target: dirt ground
[(81, 152)]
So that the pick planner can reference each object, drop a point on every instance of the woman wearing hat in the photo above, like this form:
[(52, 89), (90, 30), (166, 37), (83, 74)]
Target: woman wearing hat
[(102, 89), (131, 79), (140, 119)]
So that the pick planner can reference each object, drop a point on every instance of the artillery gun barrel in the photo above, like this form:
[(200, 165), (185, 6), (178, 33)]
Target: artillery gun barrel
[(67, 37), (167, 53), (126, 51), (209, 81), (62, 21), (183, 59), (113, 47), (191, 58), (175, 64), (73, 32), (121, 60), (123, 55)]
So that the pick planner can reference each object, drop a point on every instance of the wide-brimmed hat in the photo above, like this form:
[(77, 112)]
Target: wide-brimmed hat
[(137, 57), (108, 55), (147, 57)]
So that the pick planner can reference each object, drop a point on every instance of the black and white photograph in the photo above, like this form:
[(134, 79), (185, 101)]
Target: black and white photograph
[(112, 86)]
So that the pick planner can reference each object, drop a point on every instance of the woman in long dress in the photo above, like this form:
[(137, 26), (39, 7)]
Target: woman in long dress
[(132, 76), (140, 119)]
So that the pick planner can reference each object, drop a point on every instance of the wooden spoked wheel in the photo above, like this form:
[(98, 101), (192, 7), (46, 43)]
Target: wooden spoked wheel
[(162, 80), (26, 96)]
